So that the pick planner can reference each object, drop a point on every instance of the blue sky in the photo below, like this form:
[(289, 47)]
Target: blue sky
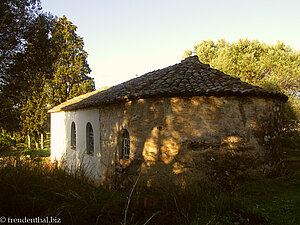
[(125, 38)]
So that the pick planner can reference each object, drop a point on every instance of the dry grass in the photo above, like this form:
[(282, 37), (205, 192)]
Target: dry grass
[(35, 187)]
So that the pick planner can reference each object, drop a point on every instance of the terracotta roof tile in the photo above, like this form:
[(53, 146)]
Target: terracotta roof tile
[(188, 78)]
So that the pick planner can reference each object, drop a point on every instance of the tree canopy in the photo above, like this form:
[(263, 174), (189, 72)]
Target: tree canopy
[(273, 67), (15, 15), (44, 62), (28, 76), (70, 68)]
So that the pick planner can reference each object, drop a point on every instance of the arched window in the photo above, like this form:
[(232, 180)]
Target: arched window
[(89, 139), (125, 145), (73, 136)]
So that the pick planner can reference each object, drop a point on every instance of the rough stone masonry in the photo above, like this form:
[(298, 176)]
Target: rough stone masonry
[(186, 120)]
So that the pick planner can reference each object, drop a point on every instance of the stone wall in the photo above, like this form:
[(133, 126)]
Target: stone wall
[(216, 137)]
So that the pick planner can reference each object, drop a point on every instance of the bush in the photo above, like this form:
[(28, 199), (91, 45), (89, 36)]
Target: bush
[(6, 140), (42, 189)]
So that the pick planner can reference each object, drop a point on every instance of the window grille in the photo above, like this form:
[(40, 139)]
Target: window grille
[(125, 144), (89, 139), (73, 136)]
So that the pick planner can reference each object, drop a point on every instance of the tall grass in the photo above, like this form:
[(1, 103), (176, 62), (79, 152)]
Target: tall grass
[(31, 188), (41, 189)]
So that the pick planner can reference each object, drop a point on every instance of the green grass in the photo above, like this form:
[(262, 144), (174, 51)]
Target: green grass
[(19, 149), (32, 153), (32, 189)]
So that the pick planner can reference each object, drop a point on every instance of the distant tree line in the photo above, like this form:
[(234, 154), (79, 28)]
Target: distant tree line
[(273, 67), (42, 63)]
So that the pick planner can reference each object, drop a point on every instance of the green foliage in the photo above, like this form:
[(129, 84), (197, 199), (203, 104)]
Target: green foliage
[(34, 188), (70, 68), (8, 114), (6, 140), (11, 144), (14, 18), (27, 77), (273, 67), (50, 68), (9, 141), (37, 189)]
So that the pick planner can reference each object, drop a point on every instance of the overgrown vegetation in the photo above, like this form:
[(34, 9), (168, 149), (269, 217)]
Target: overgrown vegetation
[(273, 67), (31, 188), (39, 69), (42, 64)]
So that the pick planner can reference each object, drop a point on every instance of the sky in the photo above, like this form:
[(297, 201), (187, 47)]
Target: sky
[(128, 38)]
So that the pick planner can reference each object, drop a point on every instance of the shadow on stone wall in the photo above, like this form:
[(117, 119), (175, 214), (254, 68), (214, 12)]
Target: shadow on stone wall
[(223, 139), (220, 139)]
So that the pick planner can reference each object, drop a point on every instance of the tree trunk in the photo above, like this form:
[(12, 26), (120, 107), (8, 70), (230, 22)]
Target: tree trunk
[(36, 140), (36, 145), (28, 141), (42, 141)]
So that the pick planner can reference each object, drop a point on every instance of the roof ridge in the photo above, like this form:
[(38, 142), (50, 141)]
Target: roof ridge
[(190, 77)]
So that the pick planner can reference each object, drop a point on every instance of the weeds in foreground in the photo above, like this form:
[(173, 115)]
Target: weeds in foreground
[(41, 189), (31, 188)]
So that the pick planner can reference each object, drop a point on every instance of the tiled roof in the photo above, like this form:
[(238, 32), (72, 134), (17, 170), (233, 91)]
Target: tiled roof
[(188, 78)]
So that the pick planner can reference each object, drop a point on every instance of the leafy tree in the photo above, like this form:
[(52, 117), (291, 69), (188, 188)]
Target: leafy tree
[(70, 70), (25, 85), (42, 63), (50, 69), (14, 18), (15, 15), (8, 114), (274, 67)]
